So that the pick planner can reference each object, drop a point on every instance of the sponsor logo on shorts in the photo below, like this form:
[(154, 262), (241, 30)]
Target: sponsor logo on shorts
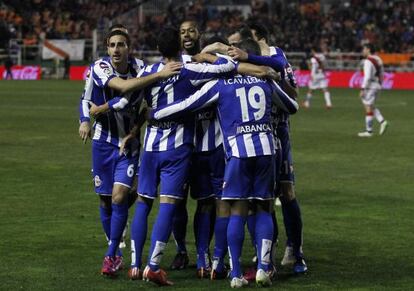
[(98, 181)]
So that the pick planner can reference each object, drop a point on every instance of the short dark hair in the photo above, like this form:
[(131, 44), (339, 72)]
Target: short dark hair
[(118, 26), (250, 46), (245, 32), (214, 39), (261, 30), (168, 42), (371, 47), (117, 32)]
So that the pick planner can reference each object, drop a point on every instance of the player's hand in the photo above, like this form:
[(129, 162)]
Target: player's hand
[(124, 144), (93, 110), (85, 131), (361, 93), (171, 69), (237, 54), (272, 74)]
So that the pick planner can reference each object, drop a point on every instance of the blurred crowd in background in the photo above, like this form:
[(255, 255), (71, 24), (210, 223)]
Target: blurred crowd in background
[(294, 25)]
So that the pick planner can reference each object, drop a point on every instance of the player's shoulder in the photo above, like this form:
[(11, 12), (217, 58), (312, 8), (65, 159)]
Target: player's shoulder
[(136, 63), (102, 66)]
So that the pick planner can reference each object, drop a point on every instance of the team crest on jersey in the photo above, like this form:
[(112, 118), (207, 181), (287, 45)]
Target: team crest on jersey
[(103, 65), (98, 181)]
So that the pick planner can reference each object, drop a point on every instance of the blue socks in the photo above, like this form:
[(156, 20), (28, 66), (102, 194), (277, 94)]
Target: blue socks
[(220, 247), (251, 227), (139, 229), (235, 238), (118, 221), (202, 236), (264, 239), (160, 233), (105, 214), (180, 226), (293, 224)]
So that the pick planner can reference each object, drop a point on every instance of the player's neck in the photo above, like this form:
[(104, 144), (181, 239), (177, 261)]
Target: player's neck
[(264, 48), (121, 67), (172, 59)]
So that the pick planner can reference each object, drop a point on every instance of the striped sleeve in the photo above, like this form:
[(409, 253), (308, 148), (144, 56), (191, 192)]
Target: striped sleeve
[(102, 73), (207, 95), (282, 100), (200, 73), (85, 98)]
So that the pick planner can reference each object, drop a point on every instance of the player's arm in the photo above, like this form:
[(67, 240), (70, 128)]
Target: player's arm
[(115, 104), (134, 132), (126, 86), (216, 47), (205, 96), (282, 100), (84, 114), (239, 54), (368, 70), (241, 68)]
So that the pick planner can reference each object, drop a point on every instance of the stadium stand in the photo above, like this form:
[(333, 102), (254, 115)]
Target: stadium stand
[(336, 26)]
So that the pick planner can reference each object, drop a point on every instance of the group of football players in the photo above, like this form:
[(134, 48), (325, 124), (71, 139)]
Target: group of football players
[(217, 127)]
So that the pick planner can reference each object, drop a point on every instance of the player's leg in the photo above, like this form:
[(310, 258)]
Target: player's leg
[(327, 95), (220, 243), (202, 235), (237, 187), (179, 231), (368, 99), (124, 174), (293, 219), (263, 193), (235, 238), (173, 176), (378, 116), (147, 189), (306, 103)]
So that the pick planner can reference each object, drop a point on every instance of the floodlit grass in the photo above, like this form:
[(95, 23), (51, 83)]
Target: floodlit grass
[(356, 195)]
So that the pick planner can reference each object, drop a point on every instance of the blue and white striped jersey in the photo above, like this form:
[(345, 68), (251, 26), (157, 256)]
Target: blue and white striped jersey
[(280, 64), (110, 127), (163, 136), (207, 128), (243, 108)]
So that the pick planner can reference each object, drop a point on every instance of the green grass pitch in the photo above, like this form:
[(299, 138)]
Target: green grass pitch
[(356, 195)]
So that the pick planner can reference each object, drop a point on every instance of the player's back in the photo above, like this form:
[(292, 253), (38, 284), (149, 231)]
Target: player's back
[(162, 136), (244, 112)]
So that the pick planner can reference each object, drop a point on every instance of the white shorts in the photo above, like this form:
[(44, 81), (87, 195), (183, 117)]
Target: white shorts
[(370, 95), (320, 83)]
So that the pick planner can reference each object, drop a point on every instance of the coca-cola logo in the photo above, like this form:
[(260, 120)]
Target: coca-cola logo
[(357, 79), (302, 78), (24, 73)]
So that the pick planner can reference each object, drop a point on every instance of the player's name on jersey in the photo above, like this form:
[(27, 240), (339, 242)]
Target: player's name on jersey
[(243, 80), (163, 124), (171, 79), (206, 115), (252, 128)]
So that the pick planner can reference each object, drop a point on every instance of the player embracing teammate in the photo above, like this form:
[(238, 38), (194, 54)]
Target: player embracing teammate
[(234, 119)]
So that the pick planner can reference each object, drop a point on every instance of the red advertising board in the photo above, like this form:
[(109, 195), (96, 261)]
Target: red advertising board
[(351, 79), (78, 72), (336, 79), (23, 72)]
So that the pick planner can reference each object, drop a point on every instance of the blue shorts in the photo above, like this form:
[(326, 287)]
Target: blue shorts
[(249, 178), (286, 174), (109, 168), (207, 172), (170, 168)]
